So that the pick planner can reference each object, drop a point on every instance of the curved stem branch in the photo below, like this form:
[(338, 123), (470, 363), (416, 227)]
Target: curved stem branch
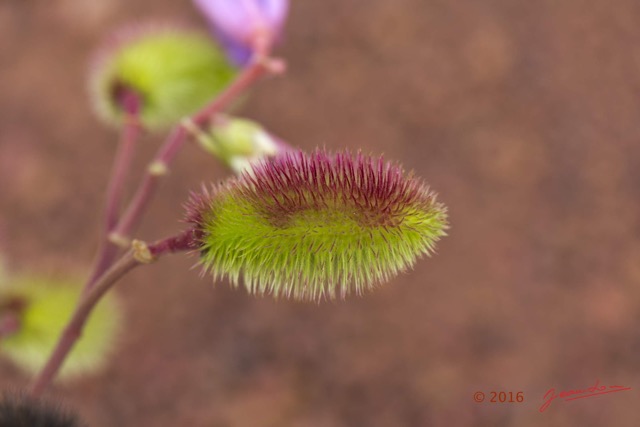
[(155, 171), (124, 156), (73, 331), (130, 103)]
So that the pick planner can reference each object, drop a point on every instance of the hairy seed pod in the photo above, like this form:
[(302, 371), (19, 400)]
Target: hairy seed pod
[(41, 308), (20, 411), (316, 226), (173, 71)]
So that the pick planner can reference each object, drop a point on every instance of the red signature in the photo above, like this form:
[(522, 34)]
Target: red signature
[(567, 395)]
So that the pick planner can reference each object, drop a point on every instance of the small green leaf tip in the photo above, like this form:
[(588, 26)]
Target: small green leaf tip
[(173, 71), (42, 308), (316, 226)]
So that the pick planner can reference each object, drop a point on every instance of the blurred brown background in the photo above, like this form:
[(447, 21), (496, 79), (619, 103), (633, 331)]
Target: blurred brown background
[(523, 115)]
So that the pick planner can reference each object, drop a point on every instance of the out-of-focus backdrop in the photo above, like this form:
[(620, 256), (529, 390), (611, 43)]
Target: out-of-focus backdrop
[(523, 115)]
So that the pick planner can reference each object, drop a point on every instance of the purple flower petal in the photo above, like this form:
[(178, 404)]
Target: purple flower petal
[(229, 16), (238, 53), (275, 12), (239, 20)]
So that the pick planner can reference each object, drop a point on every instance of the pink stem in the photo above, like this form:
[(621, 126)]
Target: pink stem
[(130, 103), (73, 330), (185, 241), (141, 198), (122, 164), (256, 69)]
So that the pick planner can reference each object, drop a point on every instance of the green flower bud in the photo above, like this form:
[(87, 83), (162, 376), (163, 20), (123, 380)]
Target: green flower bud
[(238, 142), (316, 226), (174, 72), (43, 308)]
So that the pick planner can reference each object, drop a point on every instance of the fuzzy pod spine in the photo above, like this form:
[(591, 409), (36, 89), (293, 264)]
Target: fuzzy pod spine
[(314, 226)]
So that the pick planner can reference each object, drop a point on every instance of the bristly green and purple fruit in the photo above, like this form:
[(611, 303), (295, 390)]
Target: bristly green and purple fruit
[(316, 226), (173, 71)]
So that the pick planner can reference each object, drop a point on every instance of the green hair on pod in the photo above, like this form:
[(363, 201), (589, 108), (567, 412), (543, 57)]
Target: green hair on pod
[(314, 226), (173, 71)]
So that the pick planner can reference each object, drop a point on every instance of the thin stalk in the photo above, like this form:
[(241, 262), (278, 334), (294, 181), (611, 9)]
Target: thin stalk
[(124, 157), (130, 103), (73, 330), (140, 255)]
